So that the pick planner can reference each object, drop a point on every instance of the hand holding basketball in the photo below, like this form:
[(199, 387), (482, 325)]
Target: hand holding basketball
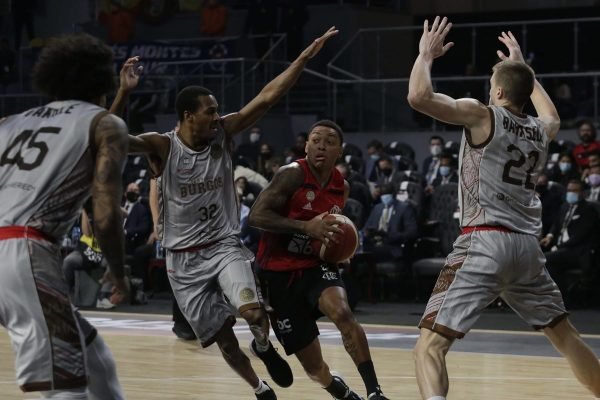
[(322, 228), (342, 245)]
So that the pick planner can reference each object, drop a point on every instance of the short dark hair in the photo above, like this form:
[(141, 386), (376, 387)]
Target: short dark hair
[(188, 99), (435, 137), (587, 122), (517, 79), (330, 124), (375, 143), (576, 182), (74, 67), (566, 154)]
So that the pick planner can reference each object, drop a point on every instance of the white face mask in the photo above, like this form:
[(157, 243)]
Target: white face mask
[(436, 150), (402, 196), (254, 137)]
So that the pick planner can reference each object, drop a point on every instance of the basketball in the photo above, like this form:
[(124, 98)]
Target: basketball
[(347, 241)]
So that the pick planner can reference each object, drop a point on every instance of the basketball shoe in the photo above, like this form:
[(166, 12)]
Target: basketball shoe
[(277, 367), (267, 395), (339, 390), (377, 395)]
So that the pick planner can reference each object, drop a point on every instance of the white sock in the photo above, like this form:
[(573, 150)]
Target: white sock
[(103, 382), (261, 388), (70, 394), (437, 398)]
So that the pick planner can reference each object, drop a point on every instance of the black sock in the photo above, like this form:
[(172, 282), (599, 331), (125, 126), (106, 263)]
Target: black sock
[(367, 372), (337, 388)]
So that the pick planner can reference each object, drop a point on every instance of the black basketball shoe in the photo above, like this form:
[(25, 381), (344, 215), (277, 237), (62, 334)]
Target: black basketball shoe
[(277, 367)]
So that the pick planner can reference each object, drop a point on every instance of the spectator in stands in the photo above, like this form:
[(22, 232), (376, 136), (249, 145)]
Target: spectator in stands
[(242, 169), (250, 150), (432, 163), (573, 237), (266, 152), (359, 191), (250, 236), (137, 219), (300, 145), (594, 181), (565, 170), (446, 173), (87, 256), (213, 18), (391, 223), (375, 152), (387, 173), (136, 170), (272, 165), (593, 159), (588, 145), (294, 16), (120, 23), (552, 200)]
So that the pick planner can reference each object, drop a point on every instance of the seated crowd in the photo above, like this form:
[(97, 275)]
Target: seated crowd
[(392, 202)]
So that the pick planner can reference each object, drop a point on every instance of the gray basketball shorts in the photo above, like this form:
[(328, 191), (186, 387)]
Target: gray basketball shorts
[(483, 266), (45, 331), (208, 281)]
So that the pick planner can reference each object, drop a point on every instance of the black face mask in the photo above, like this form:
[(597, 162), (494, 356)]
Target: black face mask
[(386, 172), (132, 196), (541, 189)]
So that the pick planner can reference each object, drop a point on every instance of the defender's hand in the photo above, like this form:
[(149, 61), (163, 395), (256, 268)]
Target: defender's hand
[(321, 229), (317, 45), (432, 41), (514, 50), (129, 76)]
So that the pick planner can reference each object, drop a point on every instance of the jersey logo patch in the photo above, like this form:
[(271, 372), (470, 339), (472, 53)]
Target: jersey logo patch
[(310, 195), (335, 210), (307, 206)]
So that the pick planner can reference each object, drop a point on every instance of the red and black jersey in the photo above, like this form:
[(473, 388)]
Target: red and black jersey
[(286, 252)]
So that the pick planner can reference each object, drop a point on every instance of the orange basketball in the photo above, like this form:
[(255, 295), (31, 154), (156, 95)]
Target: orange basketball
[(347, 241)]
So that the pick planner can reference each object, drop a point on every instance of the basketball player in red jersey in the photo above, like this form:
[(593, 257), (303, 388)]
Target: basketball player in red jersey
[(297, 284)]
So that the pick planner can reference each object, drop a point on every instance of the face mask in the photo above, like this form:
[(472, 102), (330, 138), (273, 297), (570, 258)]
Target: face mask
[(444, 170), (564, 166), (386, 172), (594, 179), (436, 150), (132, 196), (402, 196), (572, 197), (254, 137), (586, 138), (387, 199), (374, 157)]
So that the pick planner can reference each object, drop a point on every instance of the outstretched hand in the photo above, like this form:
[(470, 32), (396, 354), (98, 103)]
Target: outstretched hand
[(432, 44), (318, 43), (514, 50), (130, 74)]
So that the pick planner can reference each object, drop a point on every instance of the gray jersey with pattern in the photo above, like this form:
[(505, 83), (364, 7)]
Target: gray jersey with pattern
[(197, 198), (497, 178), (46, 166)]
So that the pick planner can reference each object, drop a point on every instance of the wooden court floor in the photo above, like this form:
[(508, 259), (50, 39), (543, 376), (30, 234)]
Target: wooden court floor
[(153, 364)]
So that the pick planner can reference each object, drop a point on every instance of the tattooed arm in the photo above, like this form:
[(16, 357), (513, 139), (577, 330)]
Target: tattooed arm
[(110, 139)]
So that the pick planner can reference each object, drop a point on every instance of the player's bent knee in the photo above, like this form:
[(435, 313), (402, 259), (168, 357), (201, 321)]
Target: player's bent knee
[(341, 315), (254, 316)]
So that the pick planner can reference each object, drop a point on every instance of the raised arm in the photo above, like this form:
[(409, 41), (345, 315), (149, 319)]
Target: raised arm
[(274, 90), (110, 137), (467, 112), (542, 103), (128, 80), (267, 211)]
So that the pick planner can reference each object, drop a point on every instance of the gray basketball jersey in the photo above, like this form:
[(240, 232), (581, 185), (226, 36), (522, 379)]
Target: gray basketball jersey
[(197, 198), (497, 178), (46, 166)]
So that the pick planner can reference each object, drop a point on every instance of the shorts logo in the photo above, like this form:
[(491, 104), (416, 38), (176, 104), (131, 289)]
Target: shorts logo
[(328, 275), (284, 325), (310, 195), (246, 294)]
